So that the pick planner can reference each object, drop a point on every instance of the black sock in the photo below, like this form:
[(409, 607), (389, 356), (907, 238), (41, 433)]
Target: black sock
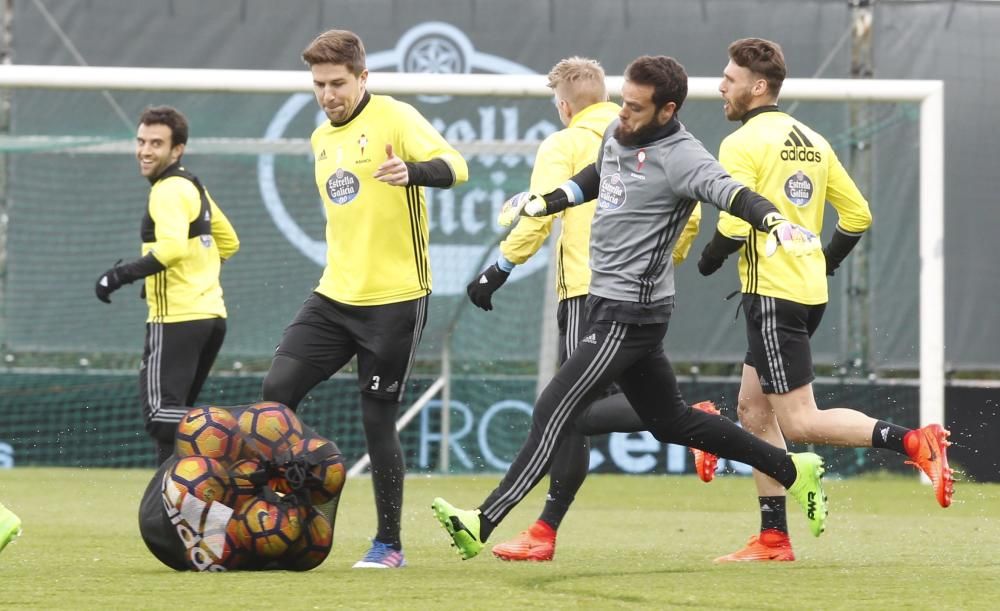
[(889, 436), (485, 528), (554, 512), (772, 513)]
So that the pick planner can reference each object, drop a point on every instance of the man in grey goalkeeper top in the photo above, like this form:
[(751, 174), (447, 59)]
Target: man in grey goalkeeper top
[(649, 174)]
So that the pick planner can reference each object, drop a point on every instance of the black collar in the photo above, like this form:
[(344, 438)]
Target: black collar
[(759, 110), (357, 110), (669, 128)]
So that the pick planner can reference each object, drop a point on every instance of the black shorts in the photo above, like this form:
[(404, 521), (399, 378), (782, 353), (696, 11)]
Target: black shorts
[(327, 334), (778, 333)]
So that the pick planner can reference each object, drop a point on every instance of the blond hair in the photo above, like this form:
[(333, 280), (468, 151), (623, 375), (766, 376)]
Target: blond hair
[(579, 81)]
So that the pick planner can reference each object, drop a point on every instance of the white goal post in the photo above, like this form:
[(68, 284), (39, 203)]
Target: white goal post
[(928, 93)]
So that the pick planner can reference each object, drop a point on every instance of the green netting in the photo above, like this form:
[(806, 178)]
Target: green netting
[(80, 419)]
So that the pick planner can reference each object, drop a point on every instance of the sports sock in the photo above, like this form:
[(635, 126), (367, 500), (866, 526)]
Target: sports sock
[(889, 436), (379, 419), (772, 513), (569, 469), (485, 528)]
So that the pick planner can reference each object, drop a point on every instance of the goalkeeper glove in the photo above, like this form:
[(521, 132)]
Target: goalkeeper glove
[(533, 204), (109, 282), (523, 203), (795, 239), (482, 287)]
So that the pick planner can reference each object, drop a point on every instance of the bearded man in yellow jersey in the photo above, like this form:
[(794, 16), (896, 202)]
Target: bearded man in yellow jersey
[(581, 98), (372, 159), (784, 296), (185, 239)]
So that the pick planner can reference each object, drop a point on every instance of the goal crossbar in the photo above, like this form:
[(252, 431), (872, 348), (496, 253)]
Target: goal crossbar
[(929, 94)]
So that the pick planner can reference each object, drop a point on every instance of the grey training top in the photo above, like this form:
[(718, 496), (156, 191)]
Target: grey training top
[(646, 195)]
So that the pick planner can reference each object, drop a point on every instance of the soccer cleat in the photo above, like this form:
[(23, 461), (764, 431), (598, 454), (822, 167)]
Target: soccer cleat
[(705, 462), (381, 556), (462, 526), (770, 545), (10, 526), (927, 448), (538, 543), (808, 489)]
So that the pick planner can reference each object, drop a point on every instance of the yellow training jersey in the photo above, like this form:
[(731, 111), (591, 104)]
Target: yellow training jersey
[(795, 168), (376, 234), (190, 246)]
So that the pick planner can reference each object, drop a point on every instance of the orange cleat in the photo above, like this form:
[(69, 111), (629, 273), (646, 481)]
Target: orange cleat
[(927, 448), (538, 543), (704, 462), (770, 545)]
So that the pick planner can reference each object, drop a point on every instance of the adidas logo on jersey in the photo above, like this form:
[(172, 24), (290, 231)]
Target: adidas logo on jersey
[(322, 155), (590, 339), (798, 147)]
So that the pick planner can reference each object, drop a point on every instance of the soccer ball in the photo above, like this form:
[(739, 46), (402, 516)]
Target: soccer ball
[(268, 528), (203, 477), (242, 487), (312, 547), (325, 479), (270, 428), (211, 432)]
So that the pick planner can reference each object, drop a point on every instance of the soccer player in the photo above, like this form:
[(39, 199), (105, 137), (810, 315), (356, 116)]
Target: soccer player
[(649, 174), (185, 240), (582, 103), (10, 526), (372, 159), (784, 296)]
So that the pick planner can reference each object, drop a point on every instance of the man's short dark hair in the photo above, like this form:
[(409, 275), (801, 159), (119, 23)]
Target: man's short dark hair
[(169, 116), (665, 74), (338, 47), (763, 58)]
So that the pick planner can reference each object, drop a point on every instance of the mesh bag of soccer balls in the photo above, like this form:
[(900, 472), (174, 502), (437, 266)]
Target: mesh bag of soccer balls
[(248, 488)]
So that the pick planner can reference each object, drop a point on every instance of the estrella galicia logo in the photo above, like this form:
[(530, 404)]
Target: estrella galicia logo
[(799, 189), (612, 194), (342, 187)]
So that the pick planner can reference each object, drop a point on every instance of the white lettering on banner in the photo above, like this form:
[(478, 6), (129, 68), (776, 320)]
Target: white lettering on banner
[(6, 455), (633, 452), (629, 452), (428, 437), (484, 424)]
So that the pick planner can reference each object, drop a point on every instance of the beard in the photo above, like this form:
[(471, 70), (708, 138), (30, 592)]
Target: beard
[(641, 135), (739, 106)]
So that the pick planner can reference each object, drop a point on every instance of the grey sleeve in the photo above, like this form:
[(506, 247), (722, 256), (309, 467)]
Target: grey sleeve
[(693, 173)]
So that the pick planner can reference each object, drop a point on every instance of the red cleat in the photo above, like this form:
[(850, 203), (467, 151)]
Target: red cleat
[(705, 462), (769, 546), (538, 543), (927, 448)]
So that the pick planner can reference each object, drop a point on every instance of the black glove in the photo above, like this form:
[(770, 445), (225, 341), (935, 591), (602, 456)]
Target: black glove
[(109, 282), (113, 279), (841, 244), (482, 287), (708, 266), (715, 252)]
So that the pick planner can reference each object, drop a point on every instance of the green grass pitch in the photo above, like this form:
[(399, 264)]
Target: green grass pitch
[(640, 542)]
